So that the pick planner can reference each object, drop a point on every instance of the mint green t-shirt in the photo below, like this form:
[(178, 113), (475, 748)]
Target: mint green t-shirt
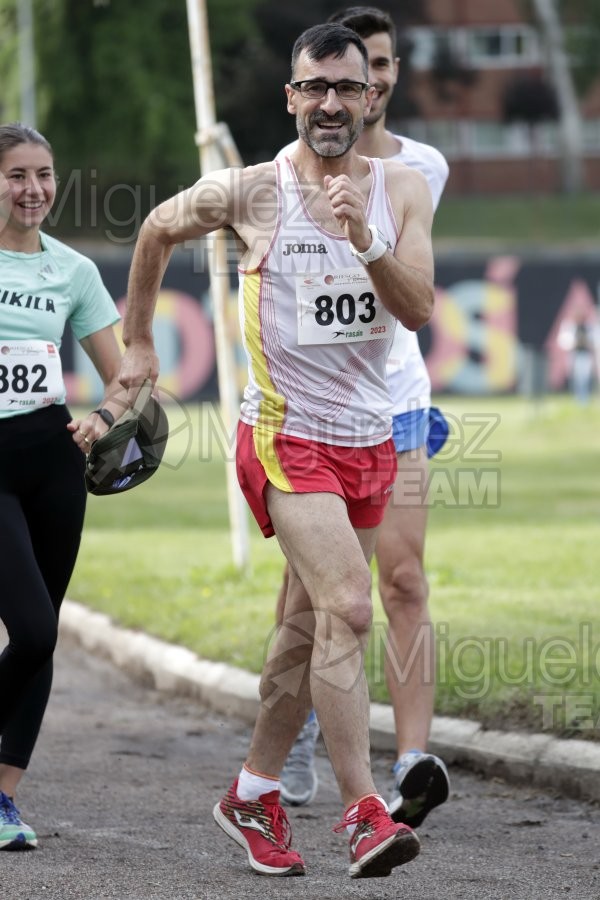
[(41, 292)]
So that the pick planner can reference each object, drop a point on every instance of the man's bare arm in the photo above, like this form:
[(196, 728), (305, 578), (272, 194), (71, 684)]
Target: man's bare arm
[(403, 278), (205, 207)]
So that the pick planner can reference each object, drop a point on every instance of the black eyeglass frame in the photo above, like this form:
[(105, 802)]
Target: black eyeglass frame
[(298, 86)]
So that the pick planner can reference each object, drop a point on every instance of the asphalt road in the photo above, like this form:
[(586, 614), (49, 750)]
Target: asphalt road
[(123, 782)]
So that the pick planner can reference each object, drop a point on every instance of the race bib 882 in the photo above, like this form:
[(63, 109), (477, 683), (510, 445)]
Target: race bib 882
[(30, 374)]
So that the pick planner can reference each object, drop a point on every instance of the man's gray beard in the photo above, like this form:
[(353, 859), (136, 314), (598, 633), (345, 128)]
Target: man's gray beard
[(326, 148)]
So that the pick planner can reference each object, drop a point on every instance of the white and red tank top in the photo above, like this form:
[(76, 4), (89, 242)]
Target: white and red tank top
[(316, 335)]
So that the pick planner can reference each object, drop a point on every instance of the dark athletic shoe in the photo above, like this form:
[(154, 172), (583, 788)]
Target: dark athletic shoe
[(420, 784)]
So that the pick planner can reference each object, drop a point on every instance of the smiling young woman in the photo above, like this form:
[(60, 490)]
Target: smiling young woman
[(28, 171), (43, 285)]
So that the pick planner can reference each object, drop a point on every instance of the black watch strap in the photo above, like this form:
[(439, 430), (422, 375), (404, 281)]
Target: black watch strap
[(106, 416)]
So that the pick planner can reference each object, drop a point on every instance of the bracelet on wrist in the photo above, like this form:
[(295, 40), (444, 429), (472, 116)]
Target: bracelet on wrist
[(376, 250), (106, 416)]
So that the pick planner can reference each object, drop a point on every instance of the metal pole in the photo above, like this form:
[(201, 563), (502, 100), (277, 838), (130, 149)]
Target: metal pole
[(26, 62), (207, 138), (570, 127)]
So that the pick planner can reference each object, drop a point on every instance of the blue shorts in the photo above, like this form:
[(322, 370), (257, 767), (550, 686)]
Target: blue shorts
[(418, 428)]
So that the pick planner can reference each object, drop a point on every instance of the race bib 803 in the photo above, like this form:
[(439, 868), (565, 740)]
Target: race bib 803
[(340, 308), (30, 374)]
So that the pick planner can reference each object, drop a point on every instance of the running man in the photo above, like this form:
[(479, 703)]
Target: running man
[(337, 248), (420, 779)]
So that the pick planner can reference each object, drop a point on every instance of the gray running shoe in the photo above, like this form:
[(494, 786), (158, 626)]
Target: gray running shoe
[(299, 780), (420, 784)]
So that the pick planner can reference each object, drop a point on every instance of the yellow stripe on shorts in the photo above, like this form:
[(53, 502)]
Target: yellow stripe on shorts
[(272, 406)]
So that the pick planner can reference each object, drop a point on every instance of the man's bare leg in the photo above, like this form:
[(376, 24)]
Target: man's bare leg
[(325, 642), (330, 559), (421, 781), (299, 779), (410, 665), (285, 681)]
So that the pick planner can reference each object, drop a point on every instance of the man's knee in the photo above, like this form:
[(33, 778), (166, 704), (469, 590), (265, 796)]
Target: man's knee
[(358, 616), (404, 588), (349, 619)]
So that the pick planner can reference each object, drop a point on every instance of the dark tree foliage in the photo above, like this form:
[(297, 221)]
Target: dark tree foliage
[(449, 74), (125, 85), (256, 111), (529, 99), (115, 93), (583, 41)]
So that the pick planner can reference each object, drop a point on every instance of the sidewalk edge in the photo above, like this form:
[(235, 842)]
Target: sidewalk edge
[(567, 766)]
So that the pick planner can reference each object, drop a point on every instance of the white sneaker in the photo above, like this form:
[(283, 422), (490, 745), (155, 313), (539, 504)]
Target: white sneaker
[(299, 780), (421, 783)]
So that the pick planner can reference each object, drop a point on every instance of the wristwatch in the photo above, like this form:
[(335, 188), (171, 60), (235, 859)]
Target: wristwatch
[(106, 416), (379, 246)]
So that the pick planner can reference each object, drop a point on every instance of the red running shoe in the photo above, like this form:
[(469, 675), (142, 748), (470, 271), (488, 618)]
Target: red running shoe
[(378, 844), (261, 827)]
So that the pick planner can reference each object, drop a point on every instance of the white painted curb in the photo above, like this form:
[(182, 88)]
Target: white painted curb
[(571, 766)]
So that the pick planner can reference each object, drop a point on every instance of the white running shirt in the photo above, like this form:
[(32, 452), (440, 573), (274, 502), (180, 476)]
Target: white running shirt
[(315, 334), (408, 380)]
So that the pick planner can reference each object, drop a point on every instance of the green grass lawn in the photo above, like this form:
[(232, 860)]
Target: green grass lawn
[(525, 221), (512, 553)]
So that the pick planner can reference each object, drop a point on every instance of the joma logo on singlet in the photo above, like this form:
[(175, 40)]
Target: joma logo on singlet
[(304, 248)]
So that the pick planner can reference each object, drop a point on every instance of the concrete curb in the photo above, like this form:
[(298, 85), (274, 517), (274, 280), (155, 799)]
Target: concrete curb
[(572, 766)]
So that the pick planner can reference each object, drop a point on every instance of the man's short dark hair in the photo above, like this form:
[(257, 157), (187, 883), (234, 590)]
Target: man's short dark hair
[(365, 21), (330, 39)]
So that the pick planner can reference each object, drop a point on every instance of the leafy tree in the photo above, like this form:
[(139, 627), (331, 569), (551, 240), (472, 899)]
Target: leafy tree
[(116, 87), (532, 100), (115, 92), (116, 97), (583, 41), (256, 111), (529, 99), (449, 74), (9, 69)]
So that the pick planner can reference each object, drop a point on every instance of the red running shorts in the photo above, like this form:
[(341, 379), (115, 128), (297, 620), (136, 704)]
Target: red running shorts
[(362, 476)]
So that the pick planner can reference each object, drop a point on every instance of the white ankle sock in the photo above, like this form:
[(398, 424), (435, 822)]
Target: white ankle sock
[(251, 785)]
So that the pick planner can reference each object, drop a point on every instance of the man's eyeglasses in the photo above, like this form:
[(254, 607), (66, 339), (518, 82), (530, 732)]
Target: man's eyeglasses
[(316, 90)]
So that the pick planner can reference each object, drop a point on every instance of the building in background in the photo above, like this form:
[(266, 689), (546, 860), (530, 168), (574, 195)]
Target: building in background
[(483, 87)]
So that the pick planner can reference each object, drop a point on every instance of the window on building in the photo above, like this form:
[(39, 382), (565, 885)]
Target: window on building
[(495, 139), (467, 139), (427, 43), (500, 46), (547, 140), (503, 46), (441, 133), (591, 137)]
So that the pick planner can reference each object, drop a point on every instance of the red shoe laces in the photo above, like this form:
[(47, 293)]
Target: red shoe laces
[(282, 830), (369, 810)]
